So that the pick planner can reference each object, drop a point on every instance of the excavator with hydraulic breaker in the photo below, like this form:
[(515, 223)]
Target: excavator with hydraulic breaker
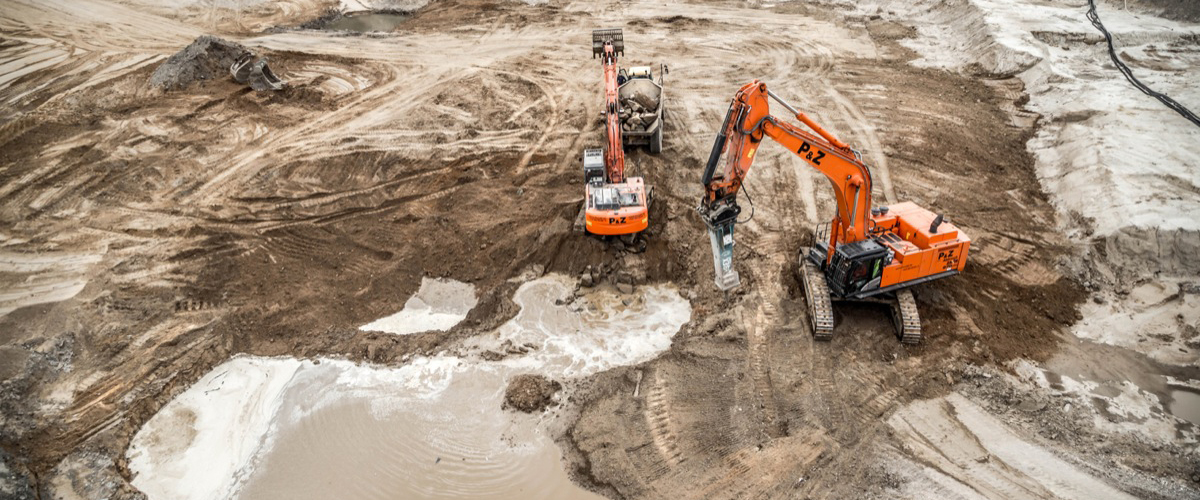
[(865, 253), (614, 204)]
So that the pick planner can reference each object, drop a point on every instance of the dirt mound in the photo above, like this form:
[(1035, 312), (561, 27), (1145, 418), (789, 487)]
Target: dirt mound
[(208, 58), (530, 393)]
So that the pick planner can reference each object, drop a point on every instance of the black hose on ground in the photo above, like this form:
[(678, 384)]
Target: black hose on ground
[(1112, 52)]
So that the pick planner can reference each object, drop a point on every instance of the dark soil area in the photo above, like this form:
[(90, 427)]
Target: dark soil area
[(206, 59), (530, 393), (1179, 10)]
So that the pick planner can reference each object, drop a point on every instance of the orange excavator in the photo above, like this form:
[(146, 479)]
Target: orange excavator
[(865, 253), (614, 204)]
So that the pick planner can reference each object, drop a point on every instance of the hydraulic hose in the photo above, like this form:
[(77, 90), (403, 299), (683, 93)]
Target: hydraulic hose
[(1112, 52)]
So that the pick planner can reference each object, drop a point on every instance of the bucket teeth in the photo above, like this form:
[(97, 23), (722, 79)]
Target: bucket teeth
[(614, 35)]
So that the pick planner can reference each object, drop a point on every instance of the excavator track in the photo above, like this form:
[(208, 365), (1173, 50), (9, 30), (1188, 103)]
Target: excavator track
[(908, 320), (816, 295)]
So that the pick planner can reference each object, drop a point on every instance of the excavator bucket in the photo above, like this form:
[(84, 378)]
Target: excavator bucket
[(264, 78), (255, 73), (242, 67), (614, 35), (720, 234)]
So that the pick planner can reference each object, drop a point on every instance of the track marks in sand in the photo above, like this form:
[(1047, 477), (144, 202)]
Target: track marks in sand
[(758, 334), (959, 439), (1015, 258), (28, 279), (658, 419), (863, 129)]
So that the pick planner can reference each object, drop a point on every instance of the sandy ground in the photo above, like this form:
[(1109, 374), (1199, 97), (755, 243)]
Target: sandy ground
[(149, 236), (428, 429)]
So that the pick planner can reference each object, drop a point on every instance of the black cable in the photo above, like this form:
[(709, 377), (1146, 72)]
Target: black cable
[(1112, 52), (746, 188)]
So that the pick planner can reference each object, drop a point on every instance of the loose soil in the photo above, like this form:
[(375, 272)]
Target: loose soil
[(530, 393), (227, 222)]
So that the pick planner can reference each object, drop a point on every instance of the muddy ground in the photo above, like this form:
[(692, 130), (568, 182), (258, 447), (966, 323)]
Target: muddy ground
[(149, 235)]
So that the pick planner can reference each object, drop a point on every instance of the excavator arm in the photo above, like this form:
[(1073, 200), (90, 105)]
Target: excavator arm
[(607, 44), (746, 123)]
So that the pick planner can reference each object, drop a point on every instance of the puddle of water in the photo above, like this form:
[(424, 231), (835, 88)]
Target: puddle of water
[(265, 428), (1185, 404), (596, 332), (437, 306), (370, 439), (367, 21)]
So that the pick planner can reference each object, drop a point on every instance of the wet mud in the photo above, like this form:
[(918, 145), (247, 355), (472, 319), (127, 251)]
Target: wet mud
[(149, 237)]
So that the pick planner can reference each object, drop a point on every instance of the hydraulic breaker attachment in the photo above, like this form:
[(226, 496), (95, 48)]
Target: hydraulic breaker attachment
[(720, 234)]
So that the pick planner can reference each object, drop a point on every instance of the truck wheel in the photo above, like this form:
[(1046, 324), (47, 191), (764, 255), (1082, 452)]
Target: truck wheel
[(656, 141)]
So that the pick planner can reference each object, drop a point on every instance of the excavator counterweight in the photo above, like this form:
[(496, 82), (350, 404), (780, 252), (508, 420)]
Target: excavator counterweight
[(866, 253)]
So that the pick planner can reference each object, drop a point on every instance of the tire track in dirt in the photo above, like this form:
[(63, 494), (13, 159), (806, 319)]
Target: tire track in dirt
[(248, 163), (553, 114), (658, 419), (312, 201), (864, 129), (956, 437), (758, 335)]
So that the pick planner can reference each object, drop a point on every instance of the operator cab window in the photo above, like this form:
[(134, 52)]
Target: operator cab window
[(605, 199), (629, 199), (613, 198)]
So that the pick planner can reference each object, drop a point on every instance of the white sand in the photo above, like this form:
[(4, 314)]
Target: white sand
[(596, 333), (1117, 164), (29, 279), (200, 445), (437, 306), (1103, 149), (965, 453), (218, 439)]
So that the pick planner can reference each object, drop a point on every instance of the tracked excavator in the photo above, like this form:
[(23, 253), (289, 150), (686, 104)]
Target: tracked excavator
[(614, 204), (865, 253)]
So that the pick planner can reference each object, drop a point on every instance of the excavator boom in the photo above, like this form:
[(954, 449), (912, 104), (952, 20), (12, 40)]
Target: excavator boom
[(867, 251), (747, 121), (614, 154)]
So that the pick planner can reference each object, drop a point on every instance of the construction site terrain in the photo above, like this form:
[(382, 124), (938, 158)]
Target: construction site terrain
[(148, 235)]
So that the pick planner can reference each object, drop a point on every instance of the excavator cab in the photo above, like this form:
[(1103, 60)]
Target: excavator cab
[(855, 266), (593, 166)]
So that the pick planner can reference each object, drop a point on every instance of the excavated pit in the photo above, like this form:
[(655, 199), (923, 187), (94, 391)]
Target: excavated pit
[(367, 22)]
